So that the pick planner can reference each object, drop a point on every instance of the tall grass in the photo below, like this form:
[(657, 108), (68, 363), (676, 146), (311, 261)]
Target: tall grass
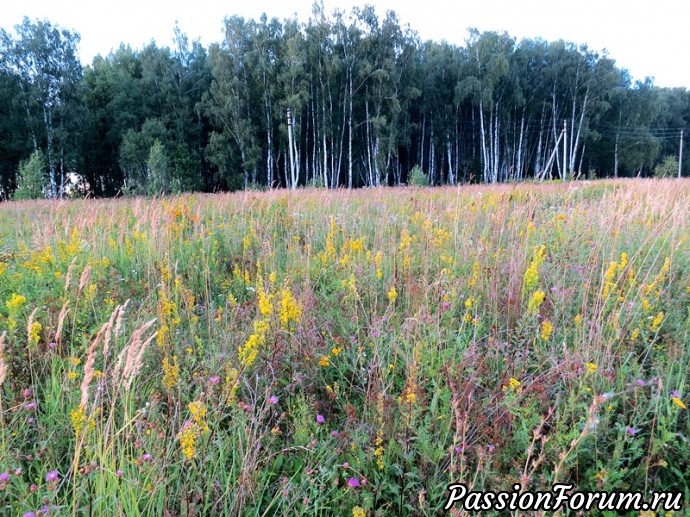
[(342, 353)]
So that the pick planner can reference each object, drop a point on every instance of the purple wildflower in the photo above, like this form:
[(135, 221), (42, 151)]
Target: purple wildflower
[(119, 473), (29, 514), (4, 477), (273, 400), (52, 476), (214, 379), (675, 394), (353, 482), (632, 431), (27, 393), (30, 406), (320, 419), (335, 433), (146, 457)]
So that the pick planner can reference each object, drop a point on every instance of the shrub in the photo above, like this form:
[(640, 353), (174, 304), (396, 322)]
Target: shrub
[(30, 181), (667, 168), (417, 177)]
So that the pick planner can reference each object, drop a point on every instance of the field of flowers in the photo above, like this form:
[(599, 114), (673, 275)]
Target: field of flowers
[(342, 353)]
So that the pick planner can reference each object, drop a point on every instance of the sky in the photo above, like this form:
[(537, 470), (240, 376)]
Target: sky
[(648, 38)]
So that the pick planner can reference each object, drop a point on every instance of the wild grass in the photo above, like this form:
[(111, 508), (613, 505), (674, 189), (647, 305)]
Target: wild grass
[(342, 353)]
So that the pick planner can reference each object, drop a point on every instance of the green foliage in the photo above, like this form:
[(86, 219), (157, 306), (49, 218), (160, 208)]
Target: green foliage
[(668, 168), (368, 100), (31, 177), (417, 178), (159, 170), (391, 358)]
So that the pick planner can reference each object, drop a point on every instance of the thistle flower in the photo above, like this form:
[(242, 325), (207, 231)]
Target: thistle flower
[(320, 419), (353, 482), (52, 476)]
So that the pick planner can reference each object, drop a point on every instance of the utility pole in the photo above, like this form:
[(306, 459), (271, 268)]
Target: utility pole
[(680, 158), (565, 149)]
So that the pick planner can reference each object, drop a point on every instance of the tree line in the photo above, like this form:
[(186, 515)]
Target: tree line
[(346, 99)]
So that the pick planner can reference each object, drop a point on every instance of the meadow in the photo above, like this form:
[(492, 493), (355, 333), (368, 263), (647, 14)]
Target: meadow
[(343, 353)]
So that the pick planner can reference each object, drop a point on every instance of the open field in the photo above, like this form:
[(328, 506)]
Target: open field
[(343, 353)]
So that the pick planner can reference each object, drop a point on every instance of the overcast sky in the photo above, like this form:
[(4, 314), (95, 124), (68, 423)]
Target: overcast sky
[(648, 38)]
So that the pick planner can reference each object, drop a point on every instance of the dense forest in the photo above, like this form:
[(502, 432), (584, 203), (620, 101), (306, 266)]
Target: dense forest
[(342, 100)]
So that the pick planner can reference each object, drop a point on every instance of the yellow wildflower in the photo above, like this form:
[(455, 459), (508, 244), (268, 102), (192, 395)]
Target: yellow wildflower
[(35, 332), (656, 322), (248, 353), (78, 419), (513, 385), (171, 372), (187, 439), (678, 402), (324, 361), (609, 278), (635, 334), (591, 367), (231, 383), (290, 310), (535, 301), (472, 282), (358, 511), (392, 295), (265, 302), (198, 411), (546, 330), (15, 302), (531, 278)]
